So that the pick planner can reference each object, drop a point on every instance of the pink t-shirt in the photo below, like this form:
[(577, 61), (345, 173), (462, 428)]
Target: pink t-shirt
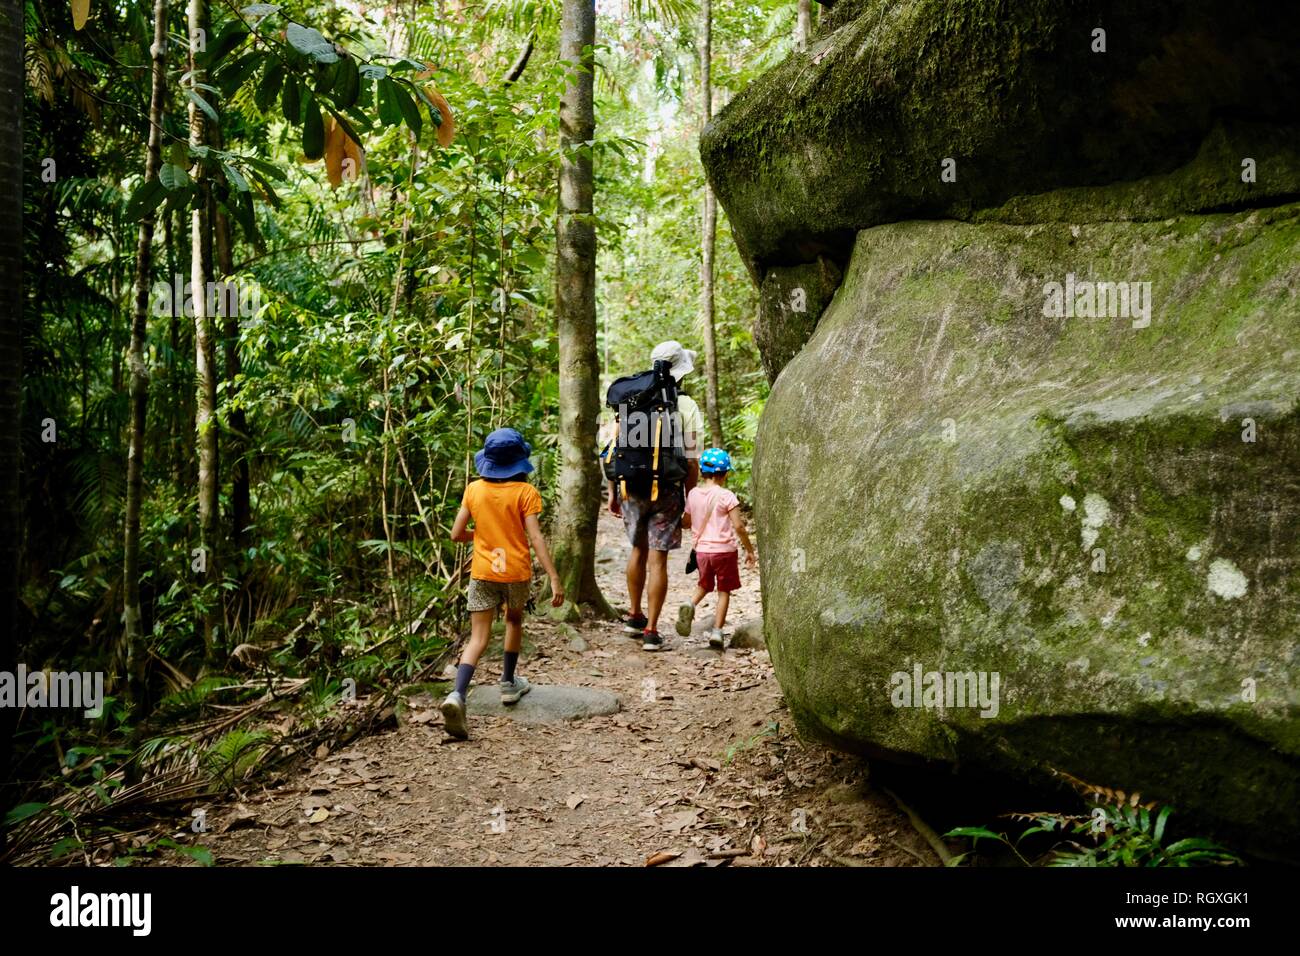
[(716, 536)]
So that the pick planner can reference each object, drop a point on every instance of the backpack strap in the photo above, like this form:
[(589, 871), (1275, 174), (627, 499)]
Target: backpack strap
[(654, 466), (713, 503)]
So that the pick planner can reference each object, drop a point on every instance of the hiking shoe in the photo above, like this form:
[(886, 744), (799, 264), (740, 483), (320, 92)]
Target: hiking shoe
[(635, 624), (716, 638), (651, 641), (685, 618), (511, 691), (453, 716)]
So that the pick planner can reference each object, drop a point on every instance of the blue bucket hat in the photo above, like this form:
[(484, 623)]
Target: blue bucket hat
[(714, 461), (504, 454)]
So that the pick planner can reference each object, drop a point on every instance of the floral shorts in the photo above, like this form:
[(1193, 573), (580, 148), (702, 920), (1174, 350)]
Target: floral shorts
[(656, 524), (490, 595)]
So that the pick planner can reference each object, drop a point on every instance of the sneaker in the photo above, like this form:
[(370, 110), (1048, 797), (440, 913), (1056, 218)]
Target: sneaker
[(651, 641), (511, 691), (635, 624), (453, 716), (716, 639), (685, 618)]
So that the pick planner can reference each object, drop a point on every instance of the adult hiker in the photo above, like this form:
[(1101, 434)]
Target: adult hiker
[(651, 464)]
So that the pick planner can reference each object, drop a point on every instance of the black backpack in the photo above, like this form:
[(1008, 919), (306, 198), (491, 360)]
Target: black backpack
[(648, 448)]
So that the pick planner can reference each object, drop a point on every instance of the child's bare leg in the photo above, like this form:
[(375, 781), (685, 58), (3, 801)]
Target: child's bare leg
[(514, 640), (480, 632), (720, 615), (453, 708), (514, 631), (699, 595)]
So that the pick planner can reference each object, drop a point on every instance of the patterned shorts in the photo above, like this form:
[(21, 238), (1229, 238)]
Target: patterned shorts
[(490, 595), (657, 524)]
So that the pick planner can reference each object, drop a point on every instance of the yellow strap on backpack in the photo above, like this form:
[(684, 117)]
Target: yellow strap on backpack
[(654, 485)]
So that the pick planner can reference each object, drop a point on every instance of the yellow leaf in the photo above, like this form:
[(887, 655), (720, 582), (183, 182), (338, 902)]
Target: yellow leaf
[(80, 13), (446, 131), (352, 150), (334, 137)]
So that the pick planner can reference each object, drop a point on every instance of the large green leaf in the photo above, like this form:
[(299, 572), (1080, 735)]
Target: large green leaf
[(347, 85), (291, 100), (230, 37), (309, 42), (240, 207), (233, 76), (202, 104), (410, 111), (269, 88), (313, 129), (235, 177), (173, 177), (22, 812), (390, 113), (145, 199)]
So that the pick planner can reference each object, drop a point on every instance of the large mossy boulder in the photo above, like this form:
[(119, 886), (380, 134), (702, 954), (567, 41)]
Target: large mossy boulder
[(855, 131), (969, 109), (1103, 516), (1046, 430)]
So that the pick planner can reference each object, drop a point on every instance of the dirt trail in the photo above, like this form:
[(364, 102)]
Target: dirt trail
[(701, 762)]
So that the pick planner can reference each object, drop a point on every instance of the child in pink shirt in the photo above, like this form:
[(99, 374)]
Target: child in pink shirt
[(713, 513)]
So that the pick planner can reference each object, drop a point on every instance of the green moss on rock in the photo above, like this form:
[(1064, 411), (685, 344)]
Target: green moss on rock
[(946, 475), (852, 133)]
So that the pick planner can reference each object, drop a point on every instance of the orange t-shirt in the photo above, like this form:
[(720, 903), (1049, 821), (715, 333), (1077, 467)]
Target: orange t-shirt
[(500, 541)]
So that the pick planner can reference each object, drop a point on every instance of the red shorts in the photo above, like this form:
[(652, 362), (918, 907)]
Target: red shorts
[(720, 570)]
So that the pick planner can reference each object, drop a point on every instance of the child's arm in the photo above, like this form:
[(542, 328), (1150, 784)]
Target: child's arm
[(534, 529), (460, 530), (738, 522)]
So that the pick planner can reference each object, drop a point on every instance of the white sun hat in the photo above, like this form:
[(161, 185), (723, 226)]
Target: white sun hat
[(681, 359)]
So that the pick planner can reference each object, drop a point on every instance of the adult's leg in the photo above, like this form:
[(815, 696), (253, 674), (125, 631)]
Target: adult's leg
[(656, 587), (636, 573)]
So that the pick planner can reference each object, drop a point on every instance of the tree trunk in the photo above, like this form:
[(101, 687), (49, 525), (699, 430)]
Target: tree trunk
[(241, 512), (173, 442), (574, 529), (132, 635), (11, 288), (710, 229), (204, 367), (237, 423), (803, 25)]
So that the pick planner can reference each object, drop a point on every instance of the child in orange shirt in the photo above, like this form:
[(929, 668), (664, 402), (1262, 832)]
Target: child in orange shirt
[(504, 508)]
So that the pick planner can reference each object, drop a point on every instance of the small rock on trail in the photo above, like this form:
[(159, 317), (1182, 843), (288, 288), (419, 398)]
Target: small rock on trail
[(544, 704), (749, 634)]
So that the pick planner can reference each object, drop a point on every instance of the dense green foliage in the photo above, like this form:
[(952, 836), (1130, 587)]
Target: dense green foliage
[(402, 310)]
